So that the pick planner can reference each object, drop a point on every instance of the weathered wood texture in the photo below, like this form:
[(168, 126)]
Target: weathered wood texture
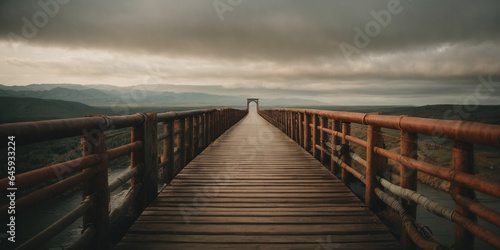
[(254, 188)]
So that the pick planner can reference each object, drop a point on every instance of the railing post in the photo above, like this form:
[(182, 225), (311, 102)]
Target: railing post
[(146, 159), (181, 143), (280, 120), (301, 129), (315, 136), (97, 215), (374, 164), (206, 123), (463, 161), (322, 138), (189, 139), (215, 123), (297, 125), (289, 124), (294, 126), (408, 179), (196, 134), (218, 122), (283, 123), (307, 132), (212, 125), (201, 133), (335, 141), (346, 158), (224, 121), (168, 149)]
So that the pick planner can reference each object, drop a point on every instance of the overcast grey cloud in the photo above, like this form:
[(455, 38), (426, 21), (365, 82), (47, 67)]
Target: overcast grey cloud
[(429, 52)]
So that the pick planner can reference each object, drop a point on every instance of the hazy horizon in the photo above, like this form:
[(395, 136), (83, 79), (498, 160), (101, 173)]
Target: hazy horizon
[(334, 52)]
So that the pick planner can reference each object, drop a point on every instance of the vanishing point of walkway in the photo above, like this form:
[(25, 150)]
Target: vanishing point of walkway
[(255, 188)]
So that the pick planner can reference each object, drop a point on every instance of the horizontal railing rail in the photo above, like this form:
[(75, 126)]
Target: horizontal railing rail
[(185, 135), (315, 130)]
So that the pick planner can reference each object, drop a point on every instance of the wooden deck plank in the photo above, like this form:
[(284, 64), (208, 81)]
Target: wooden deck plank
[(255, 188)]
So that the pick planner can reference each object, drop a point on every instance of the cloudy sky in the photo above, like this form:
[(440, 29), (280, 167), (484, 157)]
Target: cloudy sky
[(338, 52)]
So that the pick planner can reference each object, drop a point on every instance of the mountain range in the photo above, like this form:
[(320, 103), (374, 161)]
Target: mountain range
[(107, 95)]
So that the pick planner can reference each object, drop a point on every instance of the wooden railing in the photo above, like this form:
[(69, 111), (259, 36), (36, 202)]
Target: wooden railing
[(185, 135), (314, 129)]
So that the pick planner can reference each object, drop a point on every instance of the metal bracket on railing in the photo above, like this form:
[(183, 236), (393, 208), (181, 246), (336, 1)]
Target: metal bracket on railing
[(145, 118), (400, 118), (363, 119)]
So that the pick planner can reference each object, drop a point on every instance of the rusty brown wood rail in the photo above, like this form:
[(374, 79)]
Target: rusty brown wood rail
[(185, 135), (311, 129)]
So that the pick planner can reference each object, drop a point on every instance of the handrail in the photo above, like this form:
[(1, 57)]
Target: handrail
[(472, 132), (187, 134), (30, 132), (312, 129)]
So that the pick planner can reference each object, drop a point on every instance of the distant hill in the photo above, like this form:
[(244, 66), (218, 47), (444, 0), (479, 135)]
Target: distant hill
[(87, 96), (152, 96), (15, 109)]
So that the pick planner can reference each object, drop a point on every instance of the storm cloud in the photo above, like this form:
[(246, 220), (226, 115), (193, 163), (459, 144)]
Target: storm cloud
[(388, 52)]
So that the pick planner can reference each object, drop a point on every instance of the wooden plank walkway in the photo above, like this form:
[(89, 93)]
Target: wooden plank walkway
[(255, 188)]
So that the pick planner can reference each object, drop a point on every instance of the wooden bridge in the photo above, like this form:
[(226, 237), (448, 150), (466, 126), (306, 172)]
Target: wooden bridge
[(230, 179), (255, 188)]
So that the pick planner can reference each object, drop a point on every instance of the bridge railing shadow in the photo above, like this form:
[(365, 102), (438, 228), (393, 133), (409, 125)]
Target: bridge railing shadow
[(184, 135), (327, 136)]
